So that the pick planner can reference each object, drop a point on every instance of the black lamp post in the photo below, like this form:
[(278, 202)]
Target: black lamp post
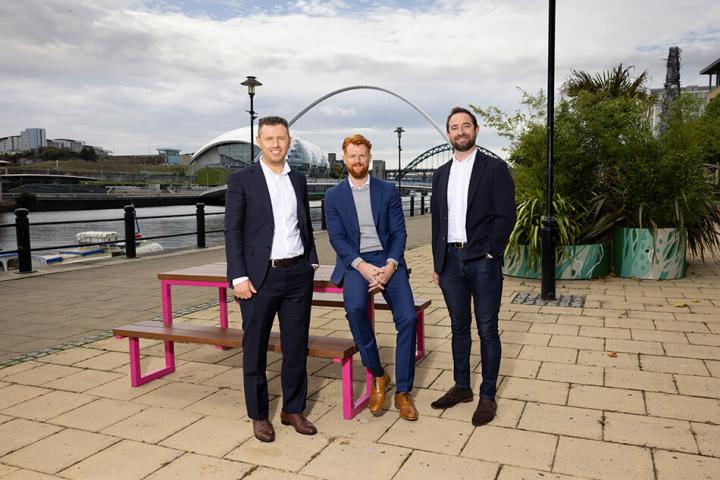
[(251, 83), (547, 231), (399, 131)]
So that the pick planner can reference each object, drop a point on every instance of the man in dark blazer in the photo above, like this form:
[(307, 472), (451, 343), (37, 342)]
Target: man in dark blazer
[(473, 214), (366, 227), (271, 260)]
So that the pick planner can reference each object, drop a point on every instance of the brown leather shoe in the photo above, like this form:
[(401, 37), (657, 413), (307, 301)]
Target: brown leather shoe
[(377, 394), (300, 423), (406, 407), (453, 396), (263, 430), (485, 412)]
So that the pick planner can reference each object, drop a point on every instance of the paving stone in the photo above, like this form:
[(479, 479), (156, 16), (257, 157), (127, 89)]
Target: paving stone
[(608, 359), (364, 426), (714, 367), (688, 366), (21, 474), (427, 433), (683, 407), (263, 473), (6, 469), (508, 472), (232, 379), (659, 336), (223, 403), (58, 451), (649, 432), (603, 398), (708, 438), (106, 361), (431, 465), (561, 372), (212, 436), (629, 322), (511, 326), (534, 390), (633, 346), (508, 412), (633, 379), (49, 405), (554, 329), (585, 343), (512, 447), (15, 394), (152, 425), (71, 356), (346, 459), (290, 450), (573, 421), (19, 432), (445, 381), (199, 466), (602, 460), (120, 389), (83, 380), (515, 367), (704, 339), (698, 386), (126, 460), (605, 332), (681, 466), (97, 415), (523, 338), (18, 368), (176, 395), (676, 326), (548, 354), (41, 375)]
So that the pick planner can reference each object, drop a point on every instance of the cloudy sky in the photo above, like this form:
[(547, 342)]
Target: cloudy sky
[(135, 75)]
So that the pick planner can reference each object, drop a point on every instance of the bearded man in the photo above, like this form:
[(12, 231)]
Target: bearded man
[(366, 227)]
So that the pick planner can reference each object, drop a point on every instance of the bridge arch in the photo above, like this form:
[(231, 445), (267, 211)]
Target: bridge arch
[(370, 87)]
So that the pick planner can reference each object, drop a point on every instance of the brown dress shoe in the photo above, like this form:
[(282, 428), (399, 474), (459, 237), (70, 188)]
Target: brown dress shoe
[(453, 396), (485, 412), (404, 403), (300, 423), (263, 430), (377, 394)]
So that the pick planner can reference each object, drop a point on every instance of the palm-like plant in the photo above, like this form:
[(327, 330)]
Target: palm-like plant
[(614, 83)]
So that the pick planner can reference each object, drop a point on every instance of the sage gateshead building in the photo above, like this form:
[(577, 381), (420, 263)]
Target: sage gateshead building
[(232, 150)]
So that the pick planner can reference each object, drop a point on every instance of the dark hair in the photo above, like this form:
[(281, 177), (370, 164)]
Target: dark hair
[(356, 139), (457, 110), (272, 120)]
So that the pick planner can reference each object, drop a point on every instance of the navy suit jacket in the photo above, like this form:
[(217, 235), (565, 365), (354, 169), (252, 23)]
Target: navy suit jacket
[(344, 228), (249, 223), (490, 214)]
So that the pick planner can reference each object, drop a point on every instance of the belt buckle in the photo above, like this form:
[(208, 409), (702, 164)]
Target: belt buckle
[(273, 263)]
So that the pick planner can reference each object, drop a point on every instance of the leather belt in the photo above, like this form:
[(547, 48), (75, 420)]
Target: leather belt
[(457, 244), (285, 262)]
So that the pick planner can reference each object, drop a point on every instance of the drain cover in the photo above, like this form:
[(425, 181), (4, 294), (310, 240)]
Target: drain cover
[(527, 298)]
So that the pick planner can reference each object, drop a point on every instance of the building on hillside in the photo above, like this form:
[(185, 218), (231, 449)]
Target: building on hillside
[(710, 70), (66, 144), (32, 139), (10, 144), (172, 155)]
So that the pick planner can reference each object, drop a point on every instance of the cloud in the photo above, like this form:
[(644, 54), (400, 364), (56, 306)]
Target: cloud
[(125, 74)]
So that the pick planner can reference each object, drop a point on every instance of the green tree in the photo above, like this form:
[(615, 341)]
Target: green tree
[(88, 154)]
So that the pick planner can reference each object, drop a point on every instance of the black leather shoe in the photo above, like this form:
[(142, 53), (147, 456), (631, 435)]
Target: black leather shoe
[(300, 423), (263, 430), (453, 396), (485, 412)]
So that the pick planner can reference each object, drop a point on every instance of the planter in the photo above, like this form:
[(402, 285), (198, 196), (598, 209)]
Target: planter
[(636, 254), (577, 262)]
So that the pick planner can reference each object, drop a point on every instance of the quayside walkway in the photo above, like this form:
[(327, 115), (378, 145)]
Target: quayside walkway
[(625, 387)]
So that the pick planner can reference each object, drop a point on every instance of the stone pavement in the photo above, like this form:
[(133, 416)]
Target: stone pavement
[(626, 387)]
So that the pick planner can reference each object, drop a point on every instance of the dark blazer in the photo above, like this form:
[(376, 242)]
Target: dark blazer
[(344, 228), (490, 210), (249, 223)]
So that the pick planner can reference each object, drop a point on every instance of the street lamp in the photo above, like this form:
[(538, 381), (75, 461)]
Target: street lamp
[(251, 82), (547, 231), (399, 131)]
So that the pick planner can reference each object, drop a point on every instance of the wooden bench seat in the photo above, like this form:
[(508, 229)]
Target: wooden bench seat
[(335, 300), (340, 350)]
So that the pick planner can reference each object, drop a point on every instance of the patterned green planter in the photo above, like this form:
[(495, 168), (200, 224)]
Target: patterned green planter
[(635, 255), (578, 262)]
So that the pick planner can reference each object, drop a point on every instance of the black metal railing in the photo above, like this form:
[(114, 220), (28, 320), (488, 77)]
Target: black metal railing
[(23, 226)]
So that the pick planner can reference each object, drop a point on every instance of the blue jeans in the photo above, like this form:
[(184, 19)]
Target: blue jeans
[(399, 297), (479, 279)]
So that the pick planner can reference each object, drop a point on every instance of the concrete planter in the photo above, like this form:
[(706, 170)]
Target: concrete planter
[(637, 253), (578, 262)]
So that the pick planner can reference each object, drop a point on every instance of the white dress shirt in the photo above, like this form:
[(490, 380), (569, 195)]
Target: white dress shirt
[(457, 196), (286, 234)]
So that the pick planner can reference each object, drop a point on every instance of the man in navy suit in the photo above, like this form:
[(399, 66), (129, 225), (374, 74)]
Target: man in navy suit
[(366, 227), (473, 214), (271, 260)]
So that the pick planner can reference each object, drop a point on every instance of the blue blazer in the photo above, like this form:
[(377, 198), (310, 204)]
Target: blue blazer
[(249, 223), (490, 214), (344, 228)]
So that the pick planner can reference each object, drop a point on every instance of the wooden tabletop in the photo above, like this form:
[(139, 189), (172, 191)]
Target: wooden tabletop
[(217, 273)]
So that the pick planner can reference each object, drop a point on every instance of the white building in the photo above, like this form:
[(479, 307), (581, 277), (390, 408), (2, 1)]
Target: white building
[(10, 144), (67, 144), (694, 90), (32, 139)]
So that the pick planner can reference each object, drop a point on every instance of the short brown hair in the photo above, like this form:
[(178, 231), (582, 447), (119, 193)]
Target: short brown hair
[(356, 139), (272, 120), (457, 110)]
